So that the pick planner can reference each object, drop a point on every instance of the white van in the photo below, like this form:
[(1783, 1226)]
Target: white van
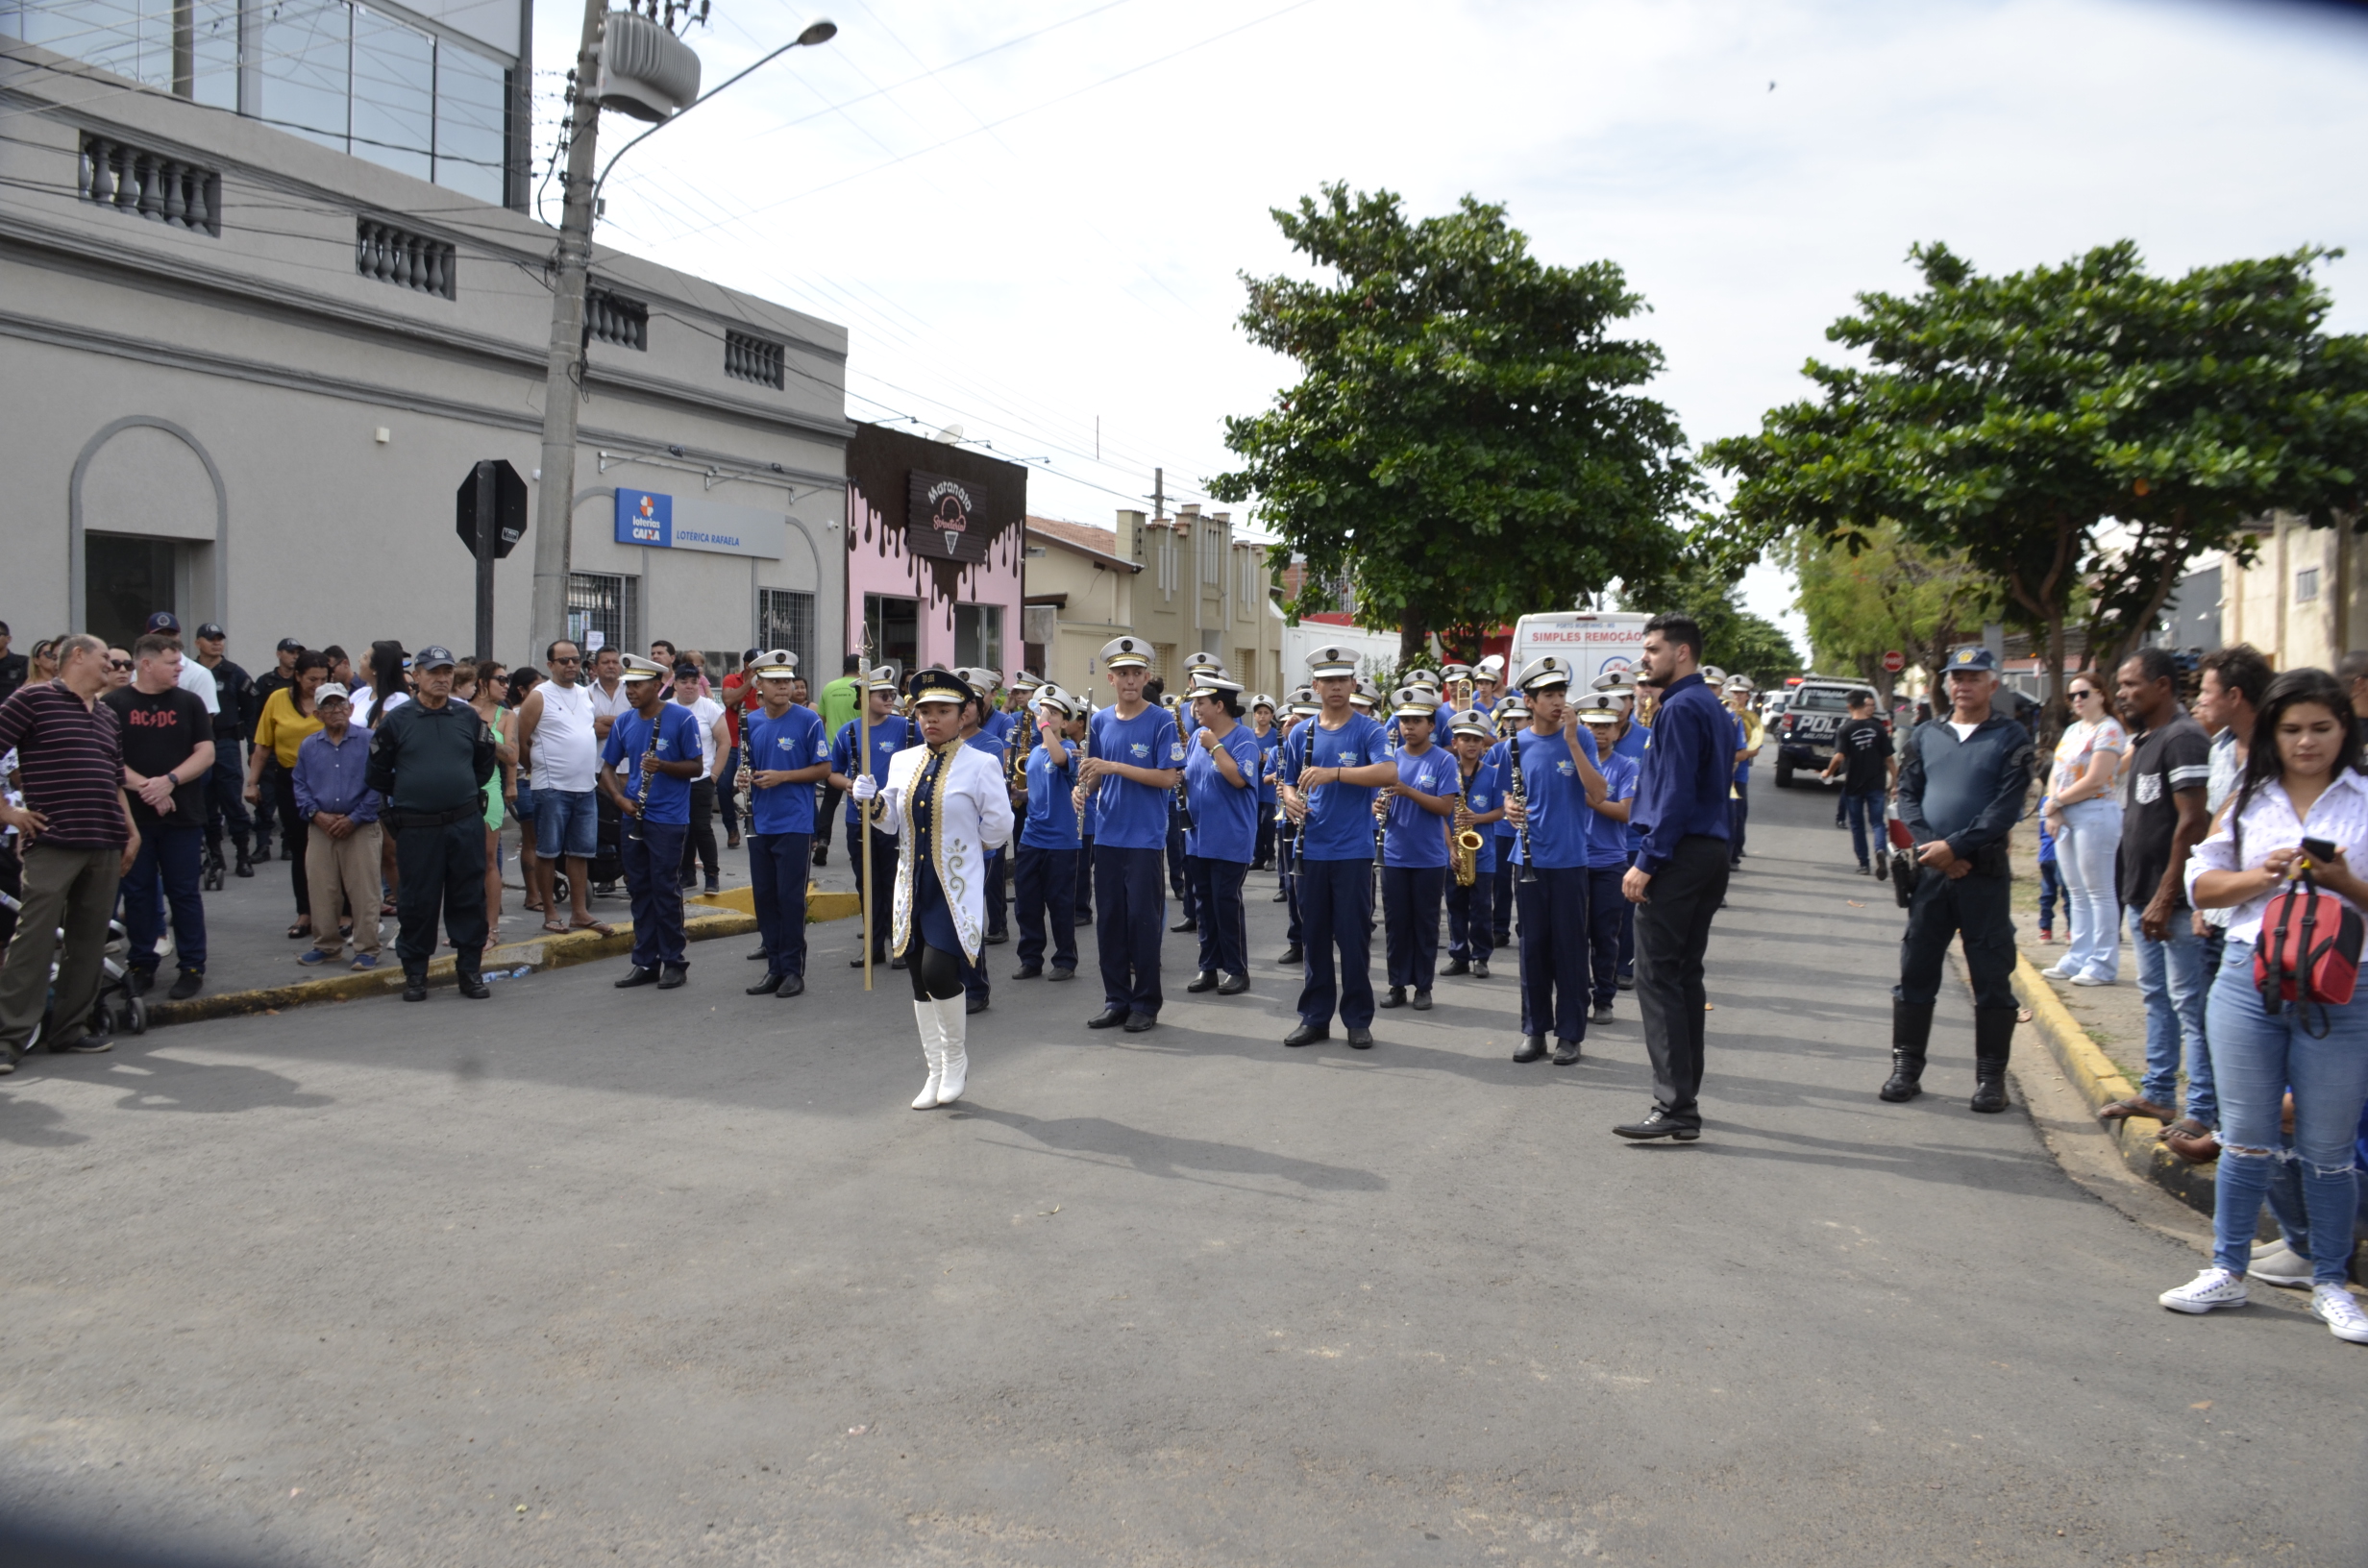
[(1596, 643)]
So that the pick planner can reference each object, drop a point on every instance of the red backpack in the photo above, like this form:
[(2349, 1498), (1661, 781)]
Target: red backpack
[(2309, 952)]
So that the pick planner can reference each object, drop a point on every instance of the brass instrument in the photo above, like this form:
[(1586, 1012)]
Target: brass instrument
[(1463, 845)]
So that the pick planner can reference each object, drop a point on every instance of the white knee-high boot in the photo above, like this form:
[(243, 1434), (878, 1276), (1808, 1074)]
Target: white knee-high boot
[(932, 1050), (954, 1047)]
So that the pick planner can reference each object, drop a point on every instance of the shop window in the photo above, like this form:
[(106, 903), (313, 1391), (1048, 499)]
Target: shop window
[(978, 636), (786, 619), (893, 627), (603, 611)]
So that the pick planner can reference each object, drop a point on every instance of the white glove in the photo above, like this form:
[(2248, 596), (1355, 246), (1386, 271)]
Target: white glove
[(866, 788)]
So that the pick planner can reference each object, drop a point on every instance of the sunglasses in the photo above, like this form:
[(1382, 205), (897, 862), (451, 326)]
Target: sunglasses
[(567, 659), (2081, 697), (119, 664)]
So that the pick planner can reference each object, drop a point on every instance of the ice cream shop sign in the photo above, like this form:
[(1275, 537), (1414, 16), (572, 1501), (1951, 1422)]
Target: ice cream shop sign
[(940, 520)]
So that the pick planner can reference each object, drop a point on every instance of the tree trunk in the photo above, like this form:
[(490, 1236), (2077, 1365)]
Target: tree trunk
[(2052, 713), (1414, 642)]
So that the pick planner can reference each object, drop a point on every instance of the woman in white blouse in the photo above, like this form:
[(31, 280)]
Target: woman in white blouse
[(2302, 780), (2083, 817)]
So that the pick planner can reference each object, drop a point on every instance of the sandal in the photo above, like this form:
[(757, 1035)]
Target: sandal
[(300, 930), (595, 925), (560, 927), (2134, 1106)]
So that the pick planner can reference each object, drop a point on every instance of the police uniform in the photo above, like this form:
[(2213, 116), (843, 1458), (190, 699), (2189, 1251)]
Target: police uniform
[(1130, 832), (429, 766), (655, 832), (949, 806), (1469, 921), (1044, 863), (225, 803), (1550, 886), (1224, 836), (1967, 790), (1336, 867), (889, 736), (1415, 855), (782, 827)]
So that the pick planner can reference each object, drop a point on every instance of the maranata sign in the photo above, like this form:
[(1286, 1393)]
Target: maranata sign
[(942, 521)]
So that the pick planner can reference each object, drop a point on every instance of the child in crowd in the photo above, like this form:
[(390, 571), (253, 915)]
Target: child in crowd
[(2051, 887)]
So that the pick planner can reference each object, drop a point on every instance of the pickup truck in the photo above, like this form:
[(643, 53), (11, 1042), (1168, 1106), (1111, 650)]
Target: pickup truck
[(1804, 733)]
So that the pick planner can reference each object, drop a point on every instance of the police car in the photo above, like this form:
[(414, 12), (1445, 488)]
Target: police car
[(1817, 707)]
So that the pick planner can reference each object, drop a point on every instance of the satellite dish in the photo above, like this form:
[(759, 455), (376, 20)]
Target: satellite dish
[(952, 435)]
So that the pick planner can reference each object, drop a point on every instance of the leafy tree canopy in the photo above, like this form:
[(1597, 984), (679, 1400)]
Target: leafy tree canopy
[(1735, 640), (1465, 442), (1889, 594), (2085, 427)]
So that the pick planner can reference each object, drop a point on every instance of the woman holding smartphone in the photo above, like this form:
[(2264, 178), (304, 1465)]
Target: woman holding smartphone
[(2302, 803)]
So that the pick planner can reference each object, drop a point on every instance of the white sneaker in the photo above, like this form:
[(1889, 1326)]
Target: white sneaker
[(2214, 1288), (2339, 1309), (2281, 1265), (2060, 970), (2091, 980)]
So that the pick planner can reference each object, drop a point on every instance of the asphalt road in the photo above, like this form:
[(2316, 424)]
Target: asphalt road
[(572, 1275)]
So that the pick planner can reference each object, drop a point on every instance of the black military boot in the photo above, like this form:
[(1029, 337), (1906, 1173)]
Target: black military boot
[(1993, 1040), (242, 866), (1911, 1027), (210, 881)]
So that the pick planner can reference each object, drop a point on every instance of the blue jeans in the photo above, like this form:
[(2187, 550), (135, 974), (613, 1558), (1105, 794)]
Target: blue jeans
[(2051, 889), (2170, 977), (2202, 1093), (173, 856), (1864, 810), (2085, 851), (2255, 1059)]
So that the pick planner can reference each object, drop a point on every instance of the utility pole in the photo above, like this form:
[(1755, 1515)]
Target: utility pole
[(555, 501)]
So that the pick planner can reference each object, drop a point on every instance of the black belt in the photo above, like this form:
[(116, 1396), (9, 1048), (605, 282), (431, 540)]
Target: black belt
[(401, 819)]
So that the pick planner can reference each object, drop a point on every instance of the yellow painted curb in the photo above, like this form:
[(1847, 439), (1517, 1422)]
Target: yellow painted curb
[(720, 915)]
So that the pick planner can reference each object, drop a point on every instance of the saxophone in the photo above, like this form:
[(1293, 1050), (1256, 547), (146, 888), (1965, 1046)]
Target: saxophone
[(1463, 845)]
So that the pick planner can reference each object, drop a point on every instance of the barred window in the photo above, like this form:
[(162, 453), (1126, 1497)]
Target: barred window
[(786, 619), (606, 605)]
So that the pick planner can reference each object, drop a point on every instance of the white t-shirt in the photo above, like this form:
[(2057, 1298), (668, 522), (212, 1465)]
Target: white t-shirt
[(706, 710), (1964, 732), (197, 678)]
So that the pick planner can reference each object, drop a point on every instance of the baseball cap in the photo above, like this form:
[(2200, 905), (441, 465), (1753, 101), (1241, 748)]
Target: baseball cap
[(164, 620), (434, 656), (212, 631), (291, 645), (330, 690)]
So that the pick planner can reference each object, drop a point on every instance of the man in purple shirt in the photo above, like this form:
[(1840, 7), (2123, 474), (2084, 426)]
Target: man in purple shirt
[(79, 843)]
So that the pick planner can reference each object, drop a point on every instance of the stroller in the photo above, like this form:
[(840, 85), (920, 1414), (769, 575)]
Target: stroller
[(116, 1006)]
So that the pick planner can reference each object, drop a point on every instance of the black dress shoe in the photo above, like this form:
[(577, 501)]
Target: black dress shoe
[(1307, 1034), (186, 985), (474, 988), (765, 987), (1109, 1019), (1422, 1001), (414, 988), (1233, 985), (1280, 899), (1479, 968), (674, 977), (760, 955), (898, 962), (1028, 971), (1567, 1054), (1138, 1023), (1085, 919), (1059, 973), (791, 986), (139, 982), (1188, 923), (974, 1004), (637, 977), (1395, 999), (996, 939), (1626, 982), (1659, 1125), (1456, 966), (1533, 1049), (1291, 955), (1205, 980), (1360, 1040)]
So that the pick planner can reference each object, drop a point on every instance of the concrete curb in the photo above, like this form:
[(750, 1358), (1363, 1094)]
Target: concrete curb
[(2099, 1083), (714, 914)]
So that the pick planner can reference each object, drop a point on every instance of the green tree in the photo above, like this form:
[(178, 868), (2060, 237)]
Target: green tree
[(1465, 442), (1891, 593), (2070, 431), (1735, 640)]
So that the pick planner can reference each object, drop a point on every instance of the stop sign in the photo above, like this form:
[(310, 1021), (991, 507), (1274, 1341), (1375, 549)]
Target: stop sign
[(510, 507), (1894, 661)]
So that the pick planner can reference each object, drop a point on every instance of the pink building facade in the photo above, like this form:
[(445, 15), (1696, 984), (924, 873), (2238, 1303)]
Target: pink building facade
[(936, 551)]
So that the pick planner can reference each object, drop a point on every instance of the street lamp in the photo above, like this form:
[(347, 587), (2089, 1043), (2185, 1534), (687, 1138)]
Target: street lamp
[(554, 506)]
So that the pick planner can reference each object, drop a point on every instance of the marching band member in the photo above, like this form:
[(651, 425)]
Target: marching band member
[(891, 733), (1478, 776), (658, 742), (948, 805), (1020, 703), (1268, 736), (783, 756), (1607, 858), (1000, 730), (1045, 865), (1414, 862), (1344, 759), (1220, 782), (1487, 678), (1134, 761), (1555, 761)]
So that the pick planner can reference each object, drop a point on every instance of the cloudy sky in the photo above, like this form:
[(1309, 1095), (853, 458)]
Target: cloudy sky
[(1032, 216)]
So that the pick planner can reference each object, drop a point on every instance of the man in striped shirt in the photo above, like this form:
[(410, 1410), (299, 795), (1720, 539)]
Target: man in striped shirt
[(79, 843)]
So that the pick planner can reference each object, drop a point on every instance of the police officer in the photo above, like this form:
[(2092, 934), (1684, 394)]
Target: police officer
[(224, 805), (1962, 783), (429, 761)]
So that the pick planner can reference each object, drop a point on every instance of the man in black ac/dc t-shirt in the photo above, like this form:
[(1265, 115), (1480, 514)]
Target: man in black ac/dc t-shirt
[(168, 752), (1862, 754)]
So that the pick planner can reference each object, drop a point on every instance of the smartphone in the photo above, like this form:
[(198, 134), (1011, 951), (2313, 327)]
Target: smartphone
[(2319, 850)]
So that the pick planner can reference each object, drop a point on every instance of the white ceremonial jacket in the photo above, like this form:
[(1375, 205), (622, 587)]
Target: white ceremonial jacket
[(971, 816)]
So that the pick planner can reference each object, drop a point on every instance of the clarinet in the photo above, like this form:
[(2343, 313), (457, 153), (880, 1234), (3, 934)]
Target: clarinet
[(641, 789), (1182, 802), (1529, 869)]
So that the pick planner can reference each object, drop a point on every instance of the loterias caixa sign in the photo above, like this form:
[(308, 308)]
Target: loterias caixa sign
[(942, 519)]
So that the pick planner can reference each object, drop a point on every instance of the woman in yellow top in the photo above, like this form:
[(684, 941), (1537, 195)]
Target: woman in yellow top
[(286, 721)]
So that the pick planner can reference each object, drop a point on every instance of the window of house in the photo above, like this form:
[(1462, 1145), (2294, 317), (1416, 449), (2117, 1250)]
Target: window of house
[(603, 604), (786, 619), (893, 627), (2306, 585), (979, 635)]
